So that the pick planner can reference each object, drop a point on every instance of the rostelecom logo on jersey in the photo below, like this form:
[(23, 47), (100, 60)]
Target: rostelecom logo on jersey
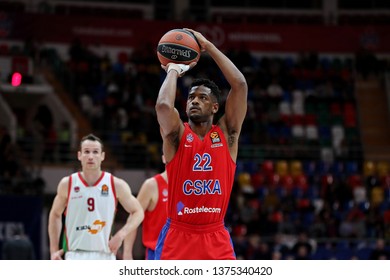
[(97, 227), (183, 210)]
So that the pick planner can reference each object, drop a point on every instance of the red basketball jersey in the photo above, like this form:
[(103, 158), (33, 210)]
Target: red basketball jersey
[(201, 176), (154, 220)]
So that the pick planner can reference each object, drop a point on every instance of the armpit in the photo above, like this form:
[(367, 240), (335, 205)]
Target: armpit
[(232, 139), (173, 139)]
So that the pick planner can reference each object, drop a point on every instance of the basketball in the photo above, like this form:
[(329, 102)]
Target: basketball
[(178, 46)]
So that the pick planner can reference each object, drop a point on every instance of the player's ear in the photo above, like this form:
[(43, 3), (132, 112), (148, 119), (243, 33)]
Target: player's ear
[(215, 108), (103, 155)]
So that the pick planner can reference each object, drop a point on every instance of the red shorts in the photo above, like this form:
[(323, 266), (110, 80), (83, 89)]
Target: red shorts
[(180, 241)]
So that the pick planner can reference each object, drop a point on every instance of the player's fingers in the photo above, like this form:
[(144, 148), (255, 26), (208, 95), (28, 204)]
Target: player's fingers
[(112, 246), (192, 64)]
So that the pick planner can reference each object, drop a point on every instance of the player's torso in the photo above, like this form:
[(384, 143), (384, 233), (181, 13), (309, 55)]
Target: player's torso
[(90, 213), (200, 178)]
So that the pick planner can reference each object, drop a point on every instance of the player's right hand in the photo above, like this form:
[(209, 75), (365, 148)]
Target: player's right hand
[(181, 69), (57, 255)]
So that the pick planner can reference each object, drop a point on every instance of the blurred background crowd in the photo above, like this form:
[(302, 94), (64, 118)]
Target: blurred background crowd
[(313, 170)]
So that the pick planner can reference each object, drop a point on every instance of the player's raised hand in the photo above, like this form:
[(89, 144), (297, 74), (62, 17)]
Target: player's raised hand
[(181, 69), (201, 39)]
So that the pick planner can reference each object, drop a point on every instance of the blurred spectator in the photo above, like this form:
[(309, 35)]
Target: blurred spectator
[(12, 171), (38, 132), (257, 248), (5, 150), (18, 247), (276, 255), (278, 245), (64, 140), (380, 252), (354, 224), (302, 248), (302, 253)]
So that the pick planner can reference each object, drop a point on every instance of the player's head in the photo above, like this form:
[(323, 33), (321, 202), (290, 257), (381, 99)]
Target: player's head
[(214, 89), (203, 100), (93, 138), (91, 152)]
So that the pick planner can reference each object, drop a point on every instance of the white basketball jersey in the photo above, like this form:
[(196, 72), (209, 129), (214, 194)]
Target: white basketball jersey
[(90, 213)]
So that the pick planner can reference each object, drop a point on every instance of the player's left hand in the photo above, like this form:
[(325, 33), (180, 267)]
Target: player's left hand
[(57, 255), (203, 42), (115, 243)]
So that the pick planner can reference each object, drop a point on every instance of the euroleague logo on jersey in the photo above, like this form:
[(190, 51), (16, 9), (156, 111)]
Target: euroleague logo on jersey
[(104, 190), (215, 139)]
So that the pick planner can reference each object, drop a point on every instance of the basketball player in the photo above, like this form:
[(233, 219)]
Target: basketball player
[(200, 160), (90, 199), (153, 197)]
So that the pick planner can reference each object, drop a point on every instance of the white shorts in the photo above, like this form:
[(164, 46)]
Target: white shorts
[(86, 255)]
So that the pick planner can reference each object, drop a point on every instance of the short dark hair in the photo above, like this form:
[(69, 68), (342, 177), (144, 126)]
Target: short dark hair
[(91, 137), (215, 91)]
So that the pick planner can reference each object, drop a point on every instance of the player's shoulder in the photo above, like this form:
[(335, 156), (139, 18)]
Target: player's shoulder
[(150, 182), (65, 180), (118, 181), (69, 178), (149, 191), (63, 186)]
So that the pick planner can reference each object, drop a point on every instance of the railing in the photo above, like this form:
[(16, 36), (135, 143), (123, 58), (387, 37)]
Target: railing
[(148, 155)]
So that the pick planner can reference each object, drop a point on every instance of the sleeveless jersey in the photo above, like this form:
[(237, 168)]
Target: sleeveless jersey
[(90, 212), (154, 220), (201, 176)]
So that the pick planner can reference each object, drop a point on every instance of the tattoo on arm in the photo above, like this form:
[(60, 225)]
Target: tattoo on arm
[(231, 140)]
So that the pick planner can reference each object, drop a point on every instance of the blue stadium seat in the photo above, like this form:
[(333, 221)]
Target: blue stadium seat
[(363, 253), (321, 253)]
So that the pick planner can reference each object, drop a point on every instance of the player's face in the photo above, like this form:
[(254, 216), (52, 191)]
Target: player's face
[(200, 104), (91, 155)]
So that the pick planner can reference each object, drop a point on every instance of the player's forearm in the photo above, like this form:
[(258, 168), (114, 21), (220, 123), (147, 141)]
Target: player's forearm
[(167, 94), (165, 105), (128, 245), (54, 230), (132, 224)]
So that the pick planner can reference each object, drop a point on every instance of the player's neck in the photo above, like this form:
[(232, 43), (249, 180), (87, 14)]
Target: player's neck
[(164, 175), (91, 176), (200, 129)]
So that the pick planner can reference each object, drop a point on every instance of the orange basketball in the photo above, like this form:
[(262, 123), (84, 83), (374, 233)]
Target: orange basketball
[(178, 46)]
